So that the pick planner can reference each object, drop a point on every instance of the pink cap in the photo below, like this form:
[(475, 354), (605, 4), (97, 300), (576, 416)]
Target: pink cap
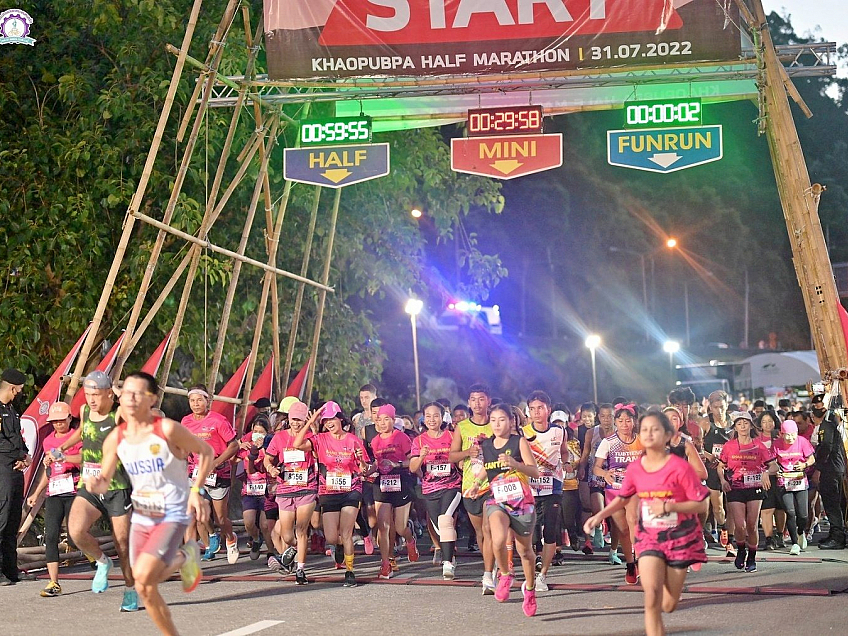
[(789, 426), (298, 411), (330, 410), (386, 409), (58, 411)]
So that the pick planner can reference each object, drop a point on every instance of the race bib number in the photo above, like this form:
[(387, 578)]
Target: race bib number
[(295, 478), (717, 450), (91, 470), (507, 491), (254, 488), (543, 485), (617, 478), (293, 456), (752, 480), (150, 503), (438, 470), (338, 482), (793, 481), (60, 485), (211, 478), (389, 483), (657, 522)]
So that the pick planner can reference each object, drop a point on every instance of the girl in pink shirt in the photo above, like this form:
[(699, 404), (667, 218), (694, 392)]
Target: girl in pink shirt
[(255, 487), (668, 533), (794, 456)]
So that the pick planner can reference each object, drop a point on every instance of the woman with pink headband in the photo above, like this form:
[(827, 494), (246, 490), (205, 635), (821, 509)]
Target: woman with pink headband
[(618, 451), (794, 455)]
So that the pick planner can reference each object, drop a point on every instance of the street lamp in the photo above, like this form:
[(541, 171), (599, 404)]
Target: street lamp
[(416, 213), (413, 308), (593, 341), (671, 347), (671, 243)]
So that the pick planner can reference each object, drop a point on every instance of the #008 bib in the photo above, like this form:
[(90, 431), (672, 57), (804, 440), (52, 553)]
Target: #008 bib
[(508, 490)]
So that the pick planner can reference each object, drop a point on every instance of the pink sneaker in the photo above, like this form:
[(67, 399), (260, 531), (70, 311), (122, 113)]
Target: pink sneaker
[(368, 542), (529, 604), (503, 587)]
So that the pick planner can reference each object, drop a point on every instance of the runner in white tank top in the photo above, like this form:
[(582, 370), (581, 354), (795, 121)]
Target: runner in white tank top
[(153, 451)]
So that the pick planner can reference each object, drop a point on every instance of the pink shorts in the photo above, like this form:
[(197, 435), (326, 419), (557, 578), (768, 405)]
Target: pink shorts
[(161, 540), (291, 504)]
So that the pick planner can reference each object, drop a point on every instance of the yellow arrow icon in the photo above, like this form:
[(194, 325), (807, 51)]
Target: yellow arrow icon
[(336, 175), (507, 166)]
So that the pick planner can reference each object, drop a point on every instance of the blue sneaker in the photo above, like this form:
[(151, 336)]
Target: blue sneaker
[(208, 555), (130, 602), (214, 543), (101, 577)]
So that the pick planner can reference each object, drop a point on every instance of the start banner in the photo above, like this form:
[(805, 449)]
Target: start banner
[(361, 38)]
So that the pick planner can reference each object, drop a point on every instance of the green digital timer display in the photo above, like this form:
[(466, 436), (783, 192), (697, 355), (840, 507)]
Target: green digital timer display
[(338, 130), (661, 113)]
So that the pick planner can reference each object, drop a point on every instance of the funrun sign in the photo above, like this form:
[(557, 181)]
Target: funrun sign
[(356, 38)]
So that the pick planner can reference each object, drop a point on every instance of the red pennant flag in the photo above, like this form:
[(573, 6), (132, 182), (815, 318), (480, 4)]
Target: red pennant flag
[(843, 318), (34, 420), (263, 388), (105, 365), (298, 385), (231, 389), (153, 362)]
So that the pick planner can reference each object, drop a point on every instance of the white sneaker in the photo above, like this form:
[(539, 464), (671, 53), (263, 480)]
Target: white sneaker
[(232, 552), (488, 584), (802, 541), (795, 550), (541, 583), (448, 571)]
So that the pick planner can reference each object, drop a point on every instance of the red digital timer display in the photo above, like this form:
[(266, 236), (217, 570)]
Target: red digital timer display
[(508, 120)]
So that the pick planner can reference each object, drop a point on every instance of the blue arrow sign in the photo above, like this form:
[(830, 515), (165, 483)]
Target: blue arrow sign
[(664, 149), (336, 166)]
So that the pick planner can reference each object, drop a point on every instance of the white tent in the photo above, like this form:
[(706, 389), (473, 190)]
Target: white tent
[(790, 368)]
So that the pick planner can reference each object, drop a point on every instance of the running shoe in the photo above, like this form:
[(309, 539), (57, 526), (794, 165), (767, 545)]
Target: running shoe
[(473, 547), (448, 571), (368, 543), (437, 556), (559, 558), (349, 579), (488, 584), (696, 567), (723, 539), (130, 601), (529, 603), (631, 577), (274, 564), (539, 563), (730, 552), (358, 541), (614, 558), (587, 548), (232, 552), (741, 553), (300, 578), (770, 543), (412, 550), (802, 541), (255, 548), (330, 551), (503, 587), (288, 557), (393, 564), (101, 578), (51, 589), (208, 554), (385, 570), (214, 543), (541, 583), (795, 550), (751, 566), (190, 572), (598, 538)]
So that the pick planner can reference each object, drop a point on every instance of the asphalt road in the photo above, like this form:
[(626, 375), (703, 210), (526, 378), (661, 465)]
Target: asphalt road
[(588, 596)]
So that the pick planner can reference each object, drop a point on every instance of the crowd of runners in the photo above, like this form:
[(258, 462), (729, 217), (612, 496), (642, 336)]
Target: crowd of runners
[(654, 487)]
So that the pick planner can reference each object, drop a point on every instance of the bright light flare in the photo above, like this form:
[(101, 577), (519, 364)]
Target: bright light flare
[(414, 306), (416, 213), (671, 243), (593, 341), (671, 346)]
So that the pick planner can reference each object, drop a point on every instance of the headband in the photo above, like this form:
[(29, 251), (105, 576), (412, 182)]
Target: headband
[(627, 407), (199, 392)]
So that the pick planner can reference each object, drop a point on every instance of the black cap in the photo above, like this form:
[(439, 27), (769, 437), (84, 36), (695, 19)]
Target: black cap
[(13, 376), (262, 403)]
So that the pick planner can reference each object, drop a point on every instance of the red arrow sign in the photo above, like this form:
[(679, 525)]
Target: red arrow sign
[(508, 156)]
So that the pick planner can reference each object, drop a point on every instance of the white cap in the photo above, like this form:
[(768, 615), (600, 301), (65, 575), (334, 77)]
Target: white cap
[(559, 416)]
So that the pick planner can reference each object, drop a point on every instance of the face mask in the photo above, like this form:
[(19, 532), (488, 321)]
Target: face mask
[(819, 412)]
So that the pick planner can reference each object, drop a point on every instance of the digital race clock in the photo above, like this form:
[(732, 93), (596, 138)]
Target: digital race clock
[(662, 112), (338, 130), (508, 120)]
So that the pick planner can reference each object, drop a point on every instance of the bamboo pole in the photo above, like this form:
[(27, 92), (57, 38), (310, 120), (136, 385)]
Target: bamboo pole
[(198, 242), (304, 268), (800, 207), (135, 204), (172, 390), (242, 247), (322, 295), (216, 52)]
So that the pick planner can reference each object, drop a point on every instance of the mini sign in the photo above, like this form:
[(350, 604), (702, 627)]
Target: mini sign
[(664, 149), (336, 166), (506, 157)]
